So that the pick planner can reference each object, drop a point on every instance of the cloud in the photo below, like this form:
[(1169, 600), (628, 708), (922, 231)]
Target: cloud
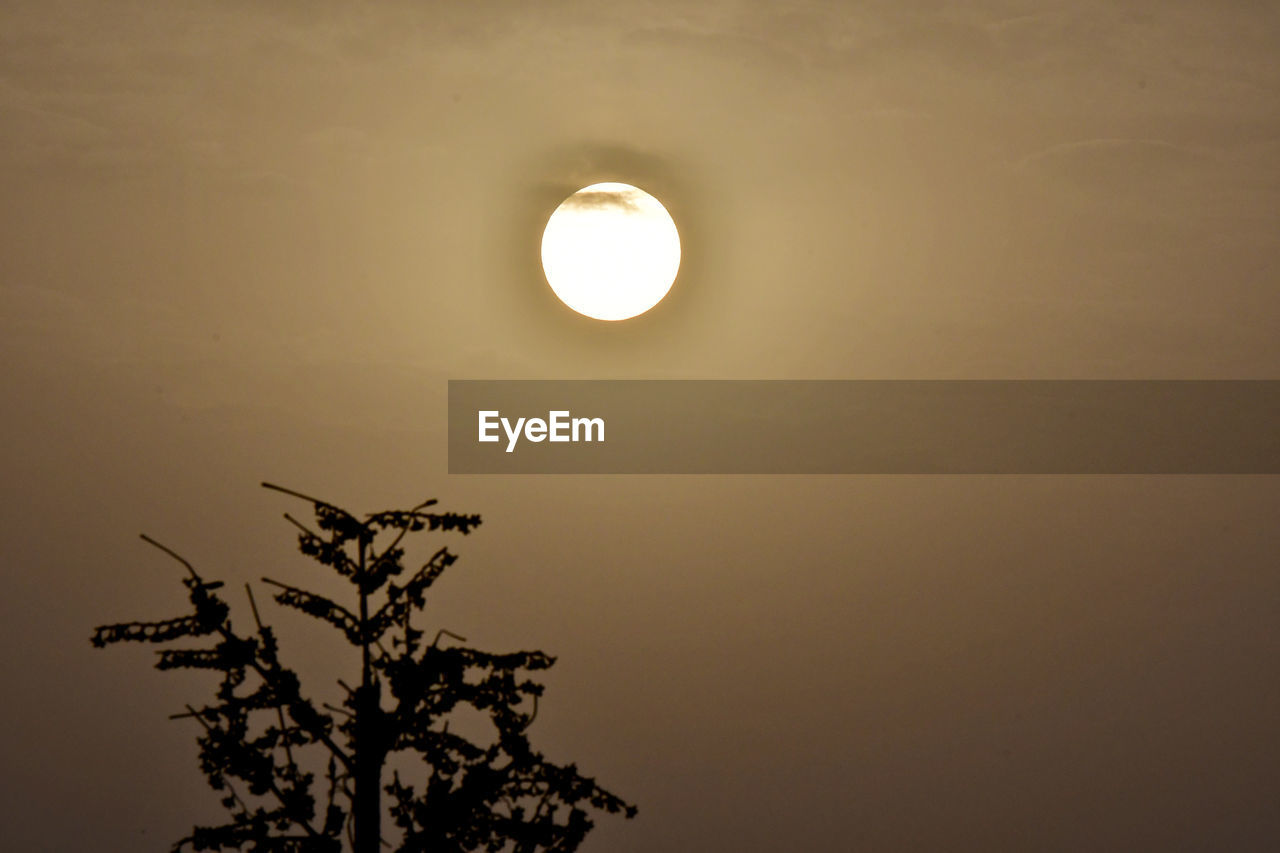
[(1159, 171), (625, 200), (1106, 163)]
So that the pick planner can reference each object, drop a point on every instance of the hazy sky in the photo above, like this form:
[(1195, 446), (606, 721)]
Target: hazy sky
[(247, 241)]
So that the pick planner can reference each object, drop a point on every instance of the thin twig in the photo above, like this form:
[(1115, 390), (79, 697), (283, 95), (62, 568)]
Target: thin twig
[(442, 632), (316, 501), (171, 553), (253, 605), (195, 714), (413, 513), (301, 526), (284, 729), (192, 712)]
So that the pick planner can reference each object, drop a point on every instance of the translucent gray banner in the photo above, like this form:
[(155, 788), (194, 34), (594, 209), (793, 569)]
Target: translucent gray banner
[(864, 427)]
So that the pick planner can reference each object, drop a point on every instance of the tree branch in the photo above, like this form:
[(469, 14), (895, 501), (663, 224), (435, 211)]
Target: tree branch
[(171, 553)]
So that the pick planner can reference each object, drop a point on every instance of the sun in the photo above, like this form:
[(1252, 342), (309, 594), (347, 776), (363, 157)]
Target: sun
[(611, 251)]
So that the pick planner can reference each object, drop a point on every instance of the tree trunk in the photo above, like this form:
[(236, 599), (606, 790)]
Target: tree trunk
[(366, 807)]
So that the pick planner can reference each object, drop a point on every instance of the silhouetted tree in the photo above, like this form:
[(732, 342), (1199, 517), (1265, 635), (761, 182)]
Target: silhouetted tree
[(494, 796)]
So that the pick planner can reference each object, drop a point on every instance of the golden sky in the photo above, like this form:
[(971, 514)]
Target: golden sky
[(246, 241)]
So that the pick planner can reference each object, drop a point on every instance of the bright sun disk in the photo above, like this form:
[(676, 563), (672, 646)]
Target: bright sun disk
[(610, 251)]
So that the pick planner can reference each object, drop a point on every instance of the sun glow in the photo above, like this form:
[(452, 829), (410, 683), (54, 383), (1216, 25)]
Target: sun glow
[(610, 251)]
